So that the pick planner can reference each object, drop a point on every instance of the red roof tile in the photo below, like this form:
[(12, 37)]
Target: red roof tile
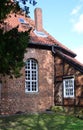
[(13, 21)]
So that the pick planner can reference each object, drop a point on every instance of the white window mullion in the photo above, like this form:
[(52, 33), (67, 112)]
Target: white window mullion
[(64, 92), (73, 87)]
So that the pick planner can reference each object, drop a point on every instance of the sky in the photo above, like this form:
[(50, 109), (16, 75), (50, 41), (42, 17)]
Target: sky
[(63, 19)]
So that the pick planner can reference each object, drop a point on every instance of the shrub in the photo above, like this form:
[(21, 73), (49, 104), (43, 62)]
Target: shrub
[(79, 114), (57, 109)]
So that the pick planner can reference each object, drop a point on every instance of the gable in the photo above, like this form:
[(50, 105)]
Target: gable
[(72, 61), (39, 37)]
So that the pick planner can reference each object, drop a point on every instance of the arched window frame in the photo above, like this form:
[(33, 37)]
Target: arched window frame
[(31, 76)]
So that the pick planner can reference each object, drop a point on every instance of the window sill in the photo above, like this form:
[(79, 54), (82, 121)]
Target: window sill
[(31, 93), (69, 97)]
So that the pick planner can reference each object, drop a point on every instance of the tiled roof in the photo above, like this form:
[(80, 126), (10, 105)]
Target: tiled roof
[(13, 20)]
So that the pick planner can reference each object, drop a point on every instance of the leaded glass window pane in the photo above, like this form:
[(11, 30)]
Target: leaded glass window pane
[(68, 85), (31, 76)]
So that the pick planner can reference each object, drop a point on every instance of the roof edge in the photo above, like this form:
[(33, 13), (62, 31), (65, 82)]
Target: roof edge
[(78, 66), (55, 47)]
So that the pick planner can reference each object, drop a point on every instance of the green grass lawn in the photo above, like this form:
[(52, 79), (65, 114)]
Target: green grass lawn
[(41, 122)]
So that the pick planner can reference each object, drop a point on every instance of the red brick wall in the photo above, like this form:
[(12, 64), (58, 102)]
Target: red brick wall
[(15, 98)]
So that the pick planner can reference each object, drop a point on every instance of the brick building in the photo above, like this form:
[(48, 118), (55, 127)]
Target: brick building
[(51, 76)]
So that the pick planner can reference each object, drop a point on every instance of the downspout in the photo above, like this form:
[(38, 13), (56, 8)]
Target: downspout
[(53, 53), (0, 94)]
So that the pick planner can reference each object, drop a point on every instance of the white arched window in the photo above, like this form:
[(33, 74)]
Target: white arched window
[(31, 76)]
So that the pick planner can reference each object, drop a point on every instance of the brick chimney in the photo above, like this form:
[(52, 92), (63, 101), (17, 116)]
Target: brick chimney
[(38, 19)]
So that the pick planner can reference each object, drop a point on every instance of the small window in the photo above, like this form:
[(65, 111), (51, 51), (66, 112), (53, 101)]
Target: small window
[(68, 85), (31, 75), (22, 20)]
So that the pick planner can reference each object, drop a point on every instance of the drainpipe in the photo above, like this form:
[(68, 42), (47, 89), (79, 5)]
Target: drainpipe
[(54, 49), (0, 95), (54, 52)]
